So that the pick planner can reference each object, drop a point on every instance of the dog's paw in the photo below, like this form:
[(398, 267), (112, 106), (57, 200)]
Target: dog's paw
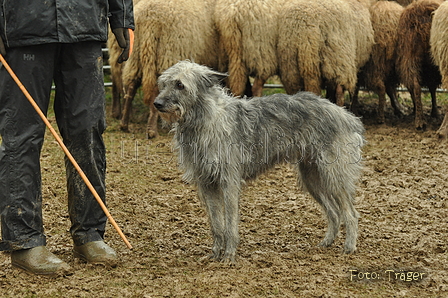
[(228, 259), (349, 249), (326, 243)]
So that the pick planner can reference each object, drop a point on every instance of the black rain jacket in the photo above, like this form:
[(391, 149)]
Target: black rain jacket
[(33, 22)]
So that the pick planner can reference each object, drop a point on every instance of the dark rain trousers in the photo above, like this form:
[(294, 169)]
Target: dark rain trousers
[(80, 114)]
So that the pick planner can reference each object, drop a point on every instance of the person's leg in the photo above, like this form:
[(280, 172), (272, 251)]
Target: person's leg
[(80, 114), (22, 134)]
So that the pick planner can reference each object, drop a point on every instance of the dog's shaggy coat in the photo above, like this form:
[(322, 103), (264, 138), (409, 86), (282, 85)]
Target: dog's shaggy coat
[(222, 140)]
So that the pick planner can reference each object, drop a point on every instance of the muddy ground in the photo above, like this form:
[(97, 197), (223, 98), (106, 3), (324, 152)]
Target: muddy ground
[(403, 229)]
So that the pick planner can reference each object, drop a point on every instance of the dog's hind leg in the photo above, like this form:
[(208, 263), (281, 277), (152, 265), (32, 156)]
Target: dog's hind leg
[(340, 185), (313, 182), (351, 224), (211, 195), (334, 219)]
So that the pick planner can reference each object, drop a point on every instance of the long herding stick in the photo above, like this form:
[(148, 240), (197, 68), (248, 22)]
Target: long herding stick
[(64, 148)]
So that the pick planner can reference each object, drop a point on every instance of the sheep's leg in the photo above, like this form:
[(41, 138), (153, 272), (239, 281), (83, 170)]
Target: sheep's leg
[(312, 84), (434, 109), (116, 102), (381, 104), (392, 93), (330, 93), (354, 104), (339, 93), (335, 93), (131, 89), (151, 128), (248, 90), (237, 77), (257, 88), (416, 95)]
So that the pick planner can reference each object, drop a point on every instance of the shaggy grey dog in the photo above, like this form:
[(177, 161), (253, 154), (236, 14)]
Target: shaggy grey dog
[(222, 140)]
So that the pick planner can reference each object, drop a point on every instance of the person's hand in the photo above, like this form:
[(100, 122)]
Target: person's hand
[(124, 41), (2, 47)]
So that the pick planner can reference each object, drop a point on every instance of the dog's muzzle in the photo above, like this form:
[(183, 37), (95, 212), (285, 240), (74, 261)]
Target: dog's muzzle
[(160, 104)]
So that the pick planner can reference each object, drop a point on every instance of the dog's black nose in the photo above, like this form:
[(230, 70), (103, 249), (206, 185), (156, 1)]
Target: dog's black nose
[(158, 105)]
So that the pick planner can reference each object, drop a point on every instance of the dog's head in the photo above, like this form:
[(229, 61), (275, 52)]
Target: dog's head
[(182, 86)]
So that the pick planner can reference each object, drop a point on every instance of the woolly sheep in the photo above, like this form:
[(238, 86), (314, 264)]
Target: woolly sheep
[(323, 43), (414, 62), (379, 74), (166, 31), (439, 41), (247, 31), (404, 2), (116, 72), (439, 50)]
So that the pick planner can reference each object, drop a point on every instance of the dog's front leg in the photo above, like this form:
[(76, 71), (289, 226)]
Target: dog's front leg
[(231, 195), (211, 195)]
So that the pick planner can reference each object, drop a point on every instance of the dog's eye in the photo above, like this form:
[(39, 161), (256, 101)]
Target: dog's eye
[(180, 86)]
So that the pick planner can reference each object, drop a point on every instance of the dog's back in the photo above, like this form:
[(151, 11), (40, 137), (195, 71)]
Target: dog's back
[(282, 128)]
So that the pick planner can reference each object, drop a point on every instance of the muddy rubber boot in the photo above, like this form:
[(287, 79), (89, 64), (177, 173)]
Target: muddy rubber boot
[(39, 260), (96, 252)]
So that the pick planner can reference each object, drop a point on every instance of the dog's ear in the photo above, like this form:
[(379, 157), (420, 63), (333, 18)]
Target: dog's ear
[(215, 77)]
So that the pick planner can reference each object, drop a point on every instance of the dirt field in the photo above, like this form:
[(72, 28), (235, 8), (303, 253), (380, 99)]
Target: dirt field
[(402, 247)]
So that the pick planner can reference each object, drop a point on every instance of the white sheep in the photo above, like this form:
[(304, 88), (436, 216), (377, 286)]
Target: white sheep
[(323, 44), (247, 36), (439, 51), (166, 31), (116, 72), (404, 2)]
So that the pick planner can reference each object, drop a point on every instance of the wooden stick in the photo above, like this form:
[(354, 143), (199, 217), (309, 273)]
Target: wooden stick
[(64, 148)]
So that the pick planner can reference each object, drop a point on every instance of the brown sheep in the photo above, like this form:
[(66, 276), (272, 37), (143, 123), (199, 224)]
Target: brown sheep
[(414, 63), (166, 31), (439, 51), (247, 32), (323, 43), (379, 73)]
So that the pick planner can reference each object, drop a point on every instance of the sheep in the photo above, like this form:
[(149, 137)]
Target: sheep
[(116, 72), (404, 2), (247, 32), (414, 63), (166, 31), (439, 50), (323, 43), (364, 33), (379, 74)]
